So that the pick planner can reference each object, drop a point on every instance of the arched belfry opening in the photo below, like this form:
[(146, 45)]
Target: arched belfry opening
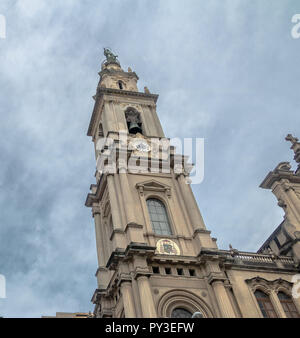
[(133, 119)]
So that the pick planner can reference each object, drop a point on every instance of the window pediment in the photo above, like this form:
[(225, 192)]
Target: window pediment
[(153, 185), (266, 285)]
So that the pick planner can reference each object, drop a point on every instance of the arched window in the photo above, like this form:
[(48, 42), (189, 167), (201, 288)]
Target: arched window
[(265, 304), (120, 84), (288, 305), (100, 132), (181, 313), (159, 217)]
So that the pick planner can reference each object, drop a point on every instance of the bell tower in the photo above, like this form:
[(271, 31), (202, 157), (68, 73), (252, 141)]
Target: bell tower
[(154, 251)]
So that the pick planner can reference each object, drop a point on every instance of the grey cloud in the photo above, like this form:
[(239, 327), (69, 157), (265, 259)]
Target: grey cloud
[(226, 71)]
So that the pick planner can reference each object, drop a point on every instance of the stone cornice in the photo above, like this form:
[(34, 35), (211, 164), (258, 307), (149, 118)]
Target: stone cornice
[(102, 90), (153, 185), (276, 175), (96, 197), (216, 277), (132, 249), (111, 71)]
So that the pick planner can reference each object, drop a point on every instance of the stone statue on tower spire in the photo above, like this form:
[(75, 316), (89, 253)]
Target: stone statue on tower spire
[(110, 56)]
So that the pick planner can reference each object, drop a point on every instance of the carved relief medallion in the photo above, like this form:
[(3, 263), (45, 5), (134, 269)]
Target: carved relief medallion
[(167, 247)]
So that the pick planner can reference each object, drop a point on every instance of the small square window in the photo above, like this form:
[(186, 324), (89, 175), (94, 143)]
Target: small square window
[(180, 271), (168, 271), (155, 269), (192, 272)]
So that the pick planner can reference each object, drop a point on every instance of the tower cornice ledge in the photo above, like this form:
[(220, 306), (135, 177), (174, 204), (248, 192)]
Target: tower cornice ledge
[(106, 71), (97, 195), (132, 249), (104, 90), (277, 174)]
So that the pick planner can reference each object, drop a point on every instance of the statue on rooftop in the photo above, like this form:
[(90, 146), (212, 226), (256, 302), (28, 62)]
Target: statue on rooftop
[(110, 57)]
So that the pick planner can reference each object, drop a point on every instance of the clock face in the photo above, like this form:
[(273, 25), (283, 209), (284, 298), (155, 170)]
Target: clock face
[(141, 146)]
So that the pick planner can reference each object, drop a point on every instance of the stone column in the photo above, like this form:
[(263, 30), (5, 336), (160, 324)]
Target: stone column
[(294, 201), (148, 307), (113, 201), (127, 197), (190, 203), (223, 299), (288, 200), (159, 129), (108, 117), (99, 236), (128, 302)]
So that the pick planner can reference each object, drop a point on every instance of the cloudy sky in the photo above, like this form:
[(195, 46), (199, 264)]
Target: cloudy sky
[(227, 71)]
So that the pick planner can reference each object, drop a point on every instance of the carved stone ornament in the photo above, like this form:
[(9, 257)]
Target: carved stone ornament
[(155, 186), (267, 286), (167, 247), (128, 105), (281, 203), (139, 143), (295, 147), (292, 139), (96, 210), (283, 166), (233, 252)]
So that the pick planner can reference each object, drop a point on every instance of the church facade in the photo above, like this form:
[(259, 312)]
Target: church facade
[(155, 256)]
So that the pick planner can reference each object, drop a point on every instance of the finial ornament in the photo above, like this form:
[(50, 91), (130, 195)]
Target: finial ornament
[(292, 139), (110, 57), (283, 166)]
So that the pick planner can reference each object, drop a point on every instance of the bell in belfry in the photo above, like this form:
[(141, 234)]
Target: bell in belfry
[(134, 128), (133, 120)]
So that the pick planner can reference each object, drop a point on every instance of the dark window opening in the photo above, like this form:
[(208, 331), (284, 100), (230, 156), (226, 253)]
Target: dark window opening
[(155, 269), (180, 272), (192, 272), (168, 271), (100, 133), (277, 242), (181, 313), (120, 84)]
